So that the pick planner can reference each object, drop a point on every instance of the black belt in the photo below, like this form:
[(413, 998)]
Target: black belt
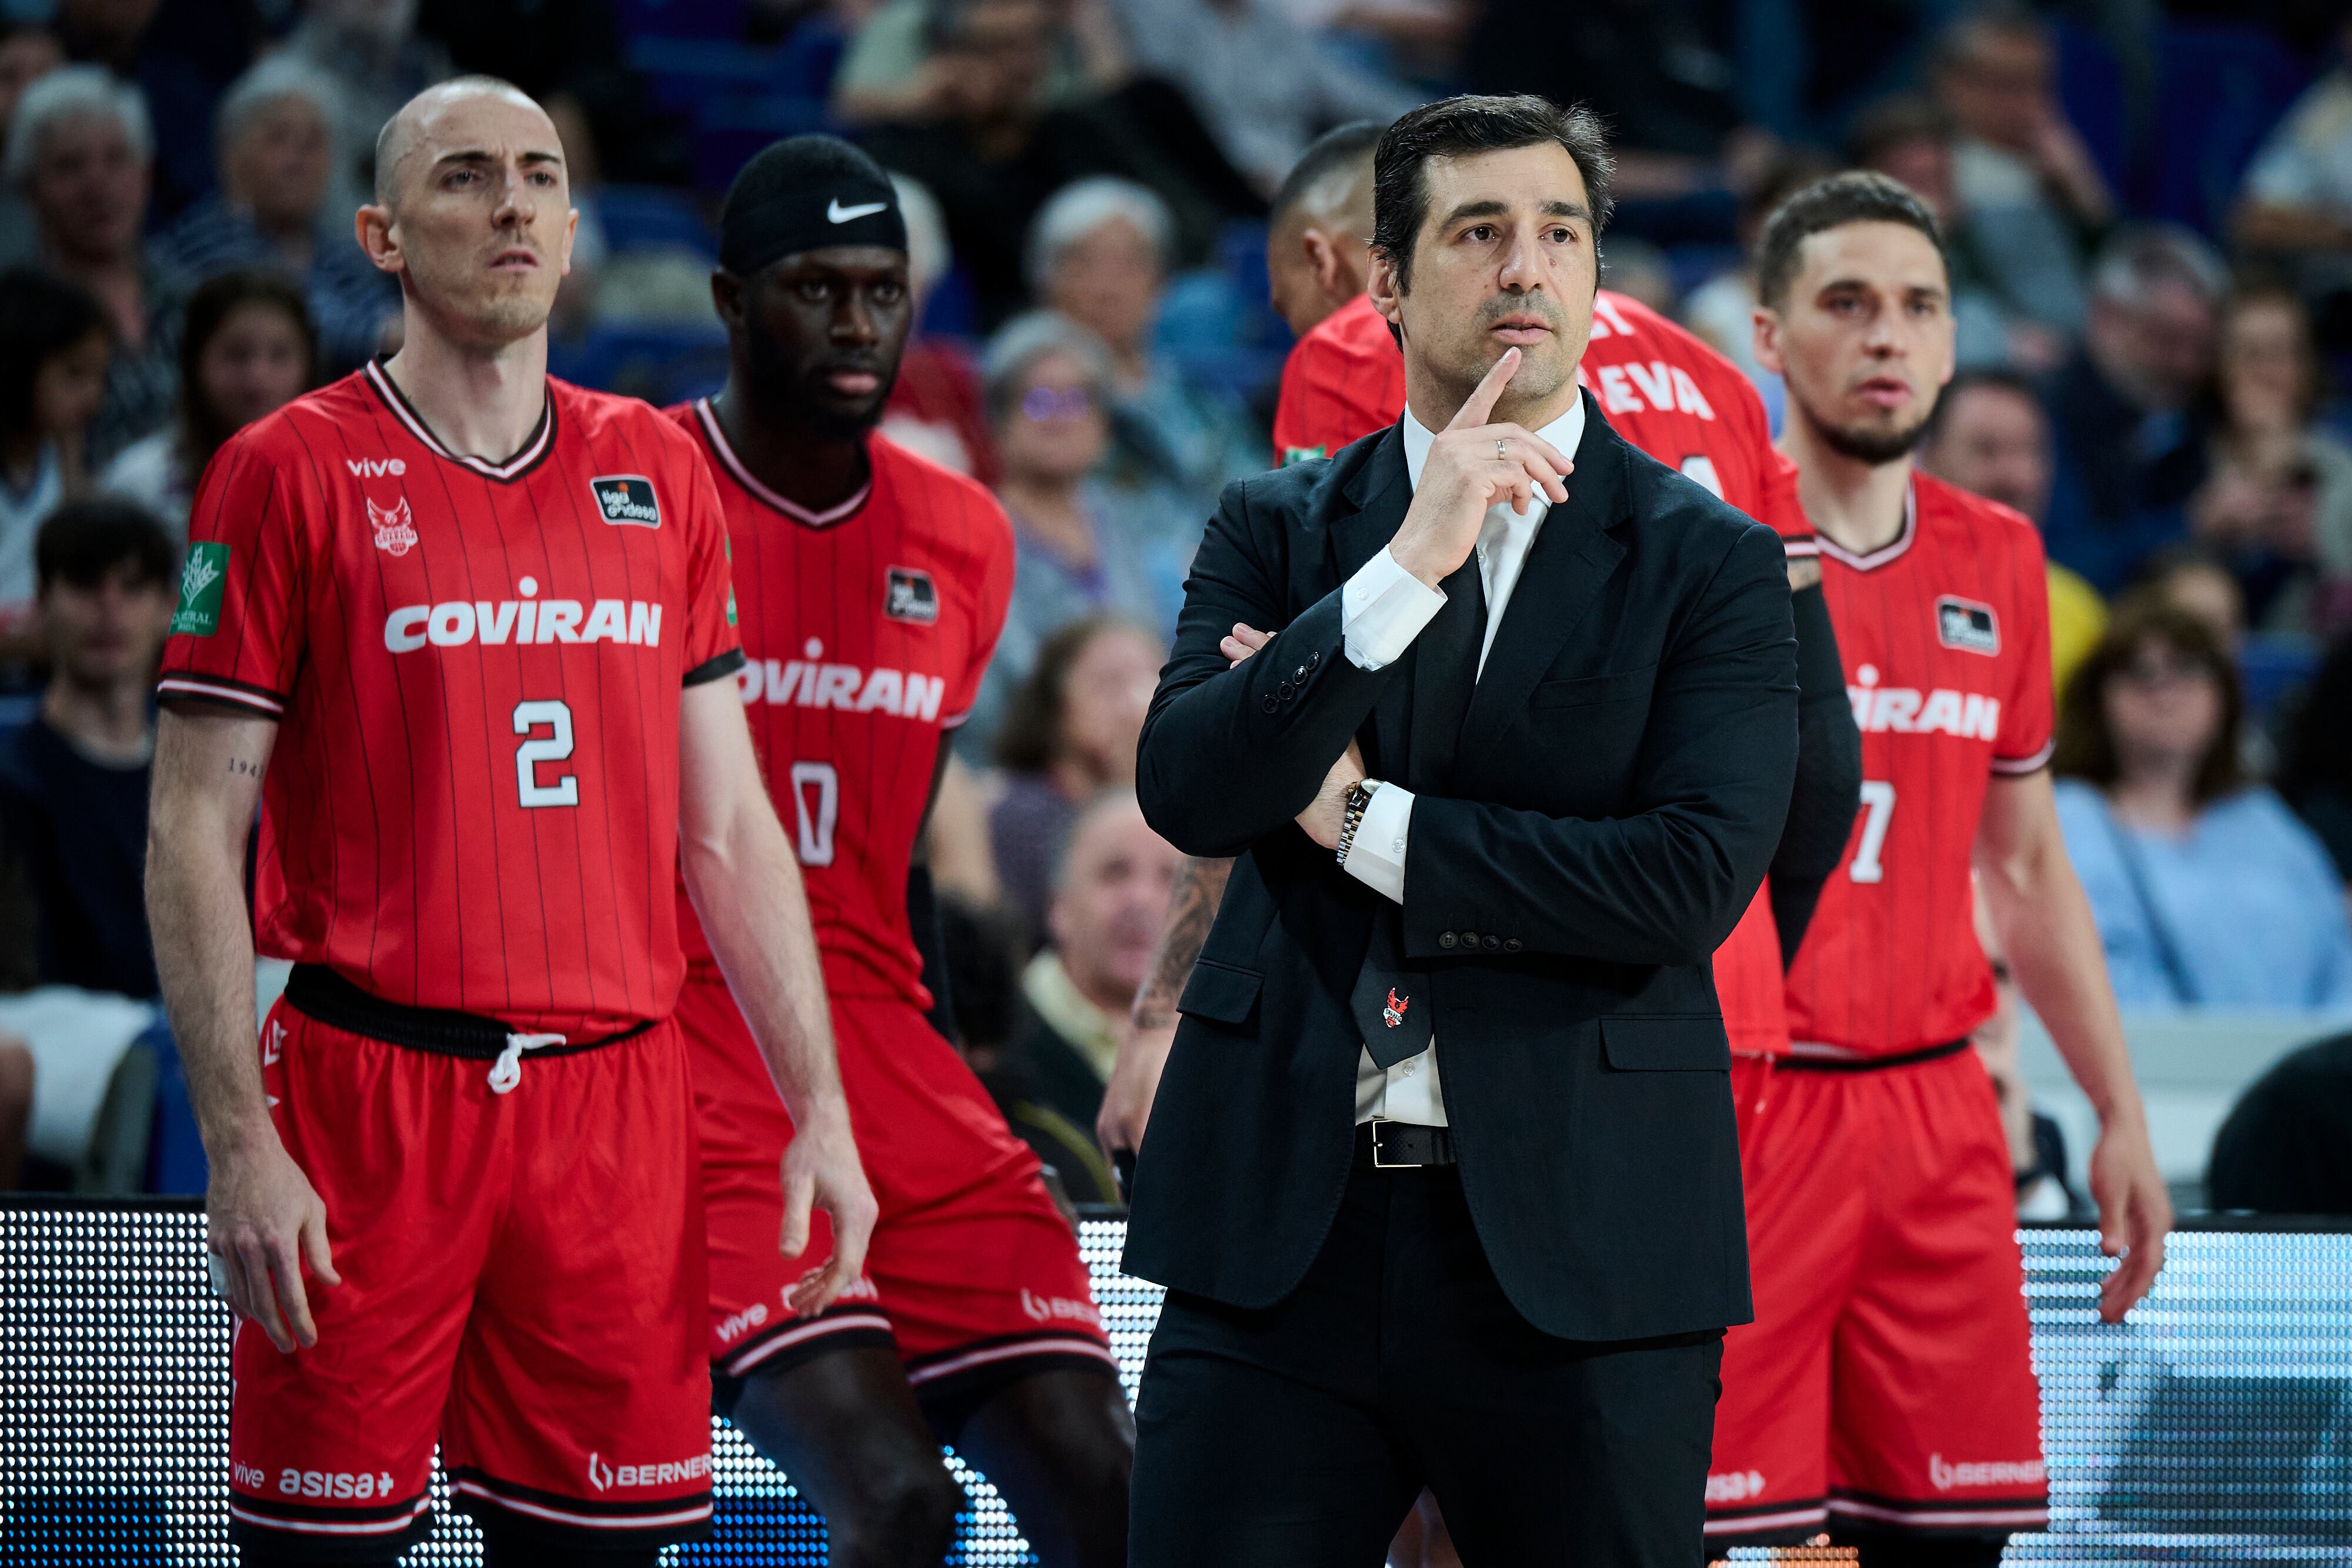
[(1869, 1063), (323, 994), (1407, 1145)]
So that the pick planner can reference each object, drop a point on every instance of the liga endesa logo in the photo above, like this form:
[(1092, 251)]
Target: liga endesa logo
[(1047, 1308), (604, 1477)]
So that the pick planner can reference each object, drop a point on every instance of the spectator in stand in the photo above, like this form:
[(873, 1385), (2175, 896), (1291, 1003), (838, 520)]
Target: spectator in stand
[(2130, 452), (249, 349), (1084, 546), (2286, 1147), (1722, 310), (371, 51), (2278, 504), (1110, 888), (2297, 204), (1099, 256), (73, 781), (2315, 756), (2188, 577), (178, 59), (28, 52), (277, 154), (2209, 892), (79, 149), (936, 407), (2035, 194), (54, 349), (888, 76), (1318, 236), (1911, 140), (995, 153), (1989, 435), (1263, 88), (1069, 734)]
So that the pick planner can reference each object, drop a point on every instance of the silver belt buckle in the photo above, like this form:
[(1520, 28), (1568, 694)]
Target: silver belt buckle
[(1380, 1164)]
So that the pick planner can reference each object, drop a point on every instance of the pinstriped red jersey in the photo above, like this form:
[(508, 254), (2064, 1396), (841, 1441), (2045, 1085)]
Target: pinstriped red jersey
[(1667, 394), (476, 668), (866, 628), (1945, 634)]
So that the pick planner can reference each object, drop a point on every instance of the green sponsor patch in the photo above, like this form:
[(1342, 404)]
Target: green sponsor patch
[(202, 582), (1291, 454)]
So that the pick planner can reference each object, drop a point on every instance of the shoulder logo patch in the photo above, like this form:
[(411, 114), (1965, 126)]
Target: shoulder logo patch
[(395, 530), (1965, 625), (627, 498), (912, 596), (203, 581)]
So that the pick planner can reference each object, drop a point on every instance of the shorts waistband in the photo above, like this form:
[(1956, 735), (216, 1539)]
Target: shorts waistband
[(318, 992), (1797, 1063)]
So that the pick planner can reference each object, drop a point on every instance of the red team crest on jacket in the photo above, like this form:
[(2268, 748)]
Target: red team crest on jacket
[(1393, 1013)]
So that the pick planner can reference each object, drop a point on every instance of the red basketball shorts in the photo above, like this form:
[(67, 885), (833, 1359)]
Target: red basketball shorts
[(972, 1274), (522, 1279), (1887, 1382)]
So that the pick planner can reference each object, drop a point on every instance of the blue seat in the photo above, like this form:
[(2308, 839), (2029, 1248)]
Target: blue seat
[(660, 363), (2091, 93), (2271, 666), (2221, 87), (720, 19), (653, 218)]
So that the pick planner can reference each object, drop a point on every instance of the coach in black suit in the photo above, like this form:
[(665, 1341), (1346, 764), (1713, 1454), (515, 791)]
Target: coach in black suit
[(1509, 771)]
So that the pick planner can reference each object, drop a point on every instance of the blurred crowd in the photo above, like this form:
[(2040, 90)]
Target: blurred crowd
[(2149, 211)]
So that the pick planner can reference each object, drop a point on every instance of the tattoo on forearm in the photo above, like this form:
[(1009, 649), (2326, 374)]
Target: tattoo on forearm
[(1191, 909), (244, 767)]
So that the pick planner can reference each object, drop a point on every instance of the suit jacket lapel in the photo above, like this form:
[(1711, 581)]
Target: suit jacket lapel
[(1380, 491), (1573, 557)]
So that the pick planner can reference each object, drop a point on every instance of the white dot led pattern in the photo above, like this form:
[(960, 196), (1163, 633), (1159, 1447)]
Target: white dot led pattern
[(2215, 1429)]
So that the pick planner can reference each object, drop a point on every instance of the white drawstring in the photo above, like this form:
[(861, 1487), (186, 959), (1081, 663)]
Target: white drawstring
[(507, 1071)]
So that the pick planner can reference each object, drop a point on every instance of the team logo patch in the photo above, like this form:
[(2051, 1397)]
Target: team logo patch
[(912, 596), (627, 498), (395, 531), (1393, 1015), (1965, 625), (202, 582)]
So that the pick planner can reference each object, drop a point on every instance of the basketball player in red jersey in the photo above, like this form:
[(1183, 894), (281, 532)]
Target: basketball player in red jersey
[(1886, 1387), (461, 631), (873, 585), (1663, 390)]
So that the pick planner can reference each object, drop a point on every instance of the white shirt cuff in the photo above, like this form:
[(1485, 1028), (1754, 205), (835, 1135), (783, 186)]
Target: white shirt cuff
[(1376, 854), (1383, 608)]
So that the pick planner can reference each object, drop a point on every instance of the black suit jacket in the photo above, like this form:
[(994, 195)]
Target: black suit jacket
[(1617, 792)]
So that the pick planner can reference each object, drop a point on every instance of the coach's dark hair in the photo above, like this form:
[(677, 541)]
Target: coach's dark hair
[(203, 428), (1030, 738), (1340, 148), (83, 542), (1857, 196), (1460, 127), (2086, 747), (41, 317)]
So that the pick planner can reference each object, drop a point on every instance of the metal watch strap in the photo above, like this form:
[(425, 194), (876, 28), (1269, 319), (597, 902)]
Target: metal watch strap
[(1352, 815)]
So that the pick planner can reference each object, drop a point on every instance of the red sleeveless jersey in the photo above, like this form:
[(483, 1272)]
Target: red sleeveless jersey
[(1945, 634), (476, 669), (867, 629), (1669, 394)]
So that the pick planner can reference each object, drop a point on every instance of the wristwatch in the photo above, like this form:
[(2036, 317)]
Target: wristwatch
[(1352, 815)]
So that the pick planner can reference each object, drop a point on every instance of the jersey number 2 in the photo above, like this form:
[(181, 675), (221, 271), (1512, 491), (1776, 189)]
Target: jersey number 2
[(817, 817), (1878, 800), (556, 718)]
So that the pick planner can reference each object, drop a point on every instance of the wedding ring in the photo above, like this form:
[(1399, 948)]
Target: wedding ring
[(1502, 453)]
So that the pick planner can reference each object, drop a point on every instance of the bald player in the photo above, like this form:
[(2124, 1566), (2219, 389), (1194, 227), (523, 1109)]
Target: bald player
[(463, 633)]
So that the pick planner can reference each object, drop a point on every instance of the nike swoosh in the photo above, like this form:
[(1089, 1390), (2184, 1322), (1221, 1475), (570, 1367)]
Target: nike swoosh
[(837, 213)]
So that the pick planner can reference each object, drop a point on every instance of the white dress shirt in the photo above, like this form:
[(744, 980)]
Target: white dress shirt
[(1383, 608)]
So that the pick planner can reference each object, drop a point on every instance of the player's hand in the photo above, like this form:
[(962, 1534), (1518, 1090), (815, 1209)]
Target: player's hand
[(264, 1221), (820, 1170), (1134, 1080), (1244, 641), (1327, 812), (2135, 1212), (1472, 467)]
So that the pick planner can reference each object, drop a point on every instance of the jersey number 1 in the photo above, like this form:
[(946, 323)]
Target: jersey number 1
[(556, 718), (1878, 800)]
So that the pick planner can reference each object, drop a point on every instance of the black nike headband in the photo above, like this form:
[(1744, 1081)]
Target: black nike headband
[(805, 194)]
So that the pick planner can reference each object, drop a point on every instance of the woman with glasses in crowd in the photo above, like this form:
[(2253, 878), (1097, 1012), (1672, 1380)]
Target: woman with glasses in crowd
[(2208, 891)]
